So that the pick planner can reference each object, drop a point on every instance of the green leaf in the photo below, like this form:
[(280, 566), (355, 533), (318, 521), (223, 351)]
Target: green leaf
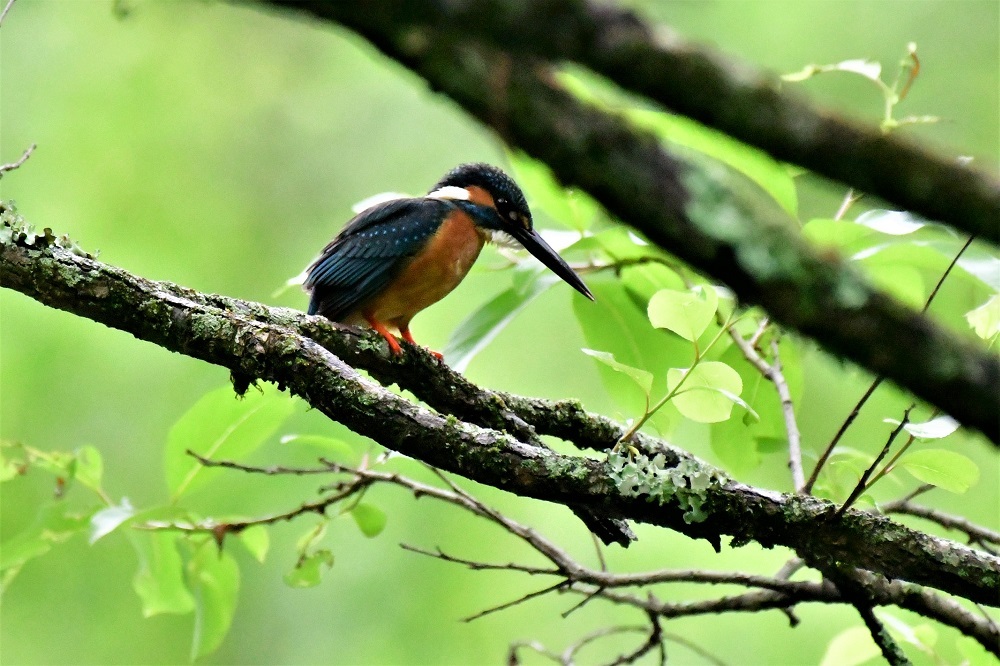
[(483, 325), (936, 428), (618, 243), (89, 467), (643, 280), (685, 313), (904, 282), (13, 461), (892, 222), (758, 166), (838, 234), (370, 519), (985, 320), (942, 468), (615, 324), (257, 541), (215, 580), (221, 426), (309, 570), (160, 580), (869, 69), (52, 525), (325, 444), (705, 394), (107, 520), (642, 378), (850, 647)]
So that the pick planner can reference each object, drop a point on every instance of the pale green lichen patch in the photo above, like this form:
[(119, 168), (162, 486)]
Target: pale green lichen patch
[(686, 483), (15, 230)]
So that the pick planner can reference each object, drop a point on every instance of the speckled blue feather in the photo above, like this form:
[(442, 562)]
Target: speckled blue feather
[(370, 252)]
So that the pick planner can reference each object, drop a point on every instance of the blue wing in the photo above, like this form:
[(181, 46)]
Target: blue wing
[(371, 250)]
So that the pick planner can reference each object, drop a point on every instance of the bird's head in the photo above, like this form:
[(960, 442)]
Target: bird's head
[(497, 205)]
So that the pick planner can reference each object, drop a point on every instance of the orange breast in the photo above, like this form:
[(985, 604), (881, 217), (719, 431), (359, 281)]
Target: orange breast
[(432, 274)]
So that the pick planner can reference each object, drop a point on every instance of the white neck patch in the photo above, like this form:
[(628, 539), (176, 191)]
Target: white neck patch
[(449, 192)]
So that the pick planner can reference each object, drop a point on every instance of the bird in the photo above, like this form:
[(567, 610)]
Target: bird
[(398, 257)]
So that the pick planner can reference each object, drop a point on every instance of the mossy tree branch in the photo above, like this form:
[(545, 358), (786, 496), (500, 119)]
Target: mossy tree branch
[(273, 344), (700, 83)]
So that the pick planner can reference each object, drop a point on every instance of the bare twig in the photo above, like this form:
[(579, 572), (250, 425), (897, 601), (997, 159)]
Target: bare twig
[(777, 592), (270, 470), (774, 374), (862, 484), (976, 533), (654, 640), (4, 168), (886, 643), (694, 647), (516, 602), (850, 199), (878, 380), (947, 271)]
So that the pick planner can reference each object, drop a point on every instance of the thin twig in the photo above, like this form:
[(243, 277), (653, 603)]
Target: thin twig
[(862, 484), (515, 602), (694, 647), (569, 654), (4, 168), (777, 592), (270, 470), (791, 425), (655, 639), (850, 199), (878, 380), (947, 271), (852, 587), (772, 371), (886, 643), (976, 533), (807, 489)]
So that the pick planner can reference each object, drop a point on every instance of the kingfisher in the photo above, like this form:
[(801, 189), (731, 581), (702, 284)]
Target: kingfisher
[(400, 256)]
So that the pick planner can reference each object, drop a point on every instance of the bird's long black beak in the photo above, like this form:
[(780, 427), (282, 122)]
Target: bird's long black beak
[(541, 250)]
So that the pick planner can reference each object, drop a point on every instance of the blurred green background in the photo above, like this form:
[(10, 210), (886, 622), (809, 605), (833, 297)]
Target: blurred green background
[(220, 147)]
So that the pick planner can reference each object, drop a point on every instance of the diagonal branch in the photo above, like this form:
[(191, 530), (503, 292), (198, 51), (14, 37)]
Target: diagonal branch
[(255, 347), (698, 213), (697, 82)]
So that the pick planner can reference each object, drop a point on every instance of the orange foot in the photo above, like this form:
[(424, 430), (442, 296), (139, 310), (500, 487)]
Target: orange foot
[(384, 332), (409, 338)]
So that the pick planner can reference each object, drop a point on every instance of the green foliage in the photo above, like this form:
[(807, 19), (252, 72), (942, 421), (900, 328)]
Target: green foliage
[(685, 313), (215, 582), (985, 320), (309, 567), (485, 323), (942, 468), (160, 581), (642, 379), (369, 518), (850, 647), (709, 391), (308, 571), (220, 426), (257, 541)]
